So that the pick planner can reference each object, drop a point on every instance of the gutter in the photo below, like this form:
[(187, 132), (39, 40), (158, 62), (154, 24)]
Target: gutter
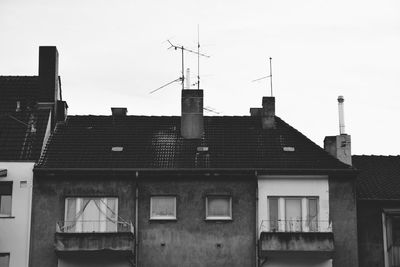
[(250, 171)]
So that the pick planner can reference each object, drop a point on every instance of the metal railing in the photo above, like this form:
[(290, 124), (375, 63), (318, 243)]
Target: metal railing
[(94, 226), (295, 226)]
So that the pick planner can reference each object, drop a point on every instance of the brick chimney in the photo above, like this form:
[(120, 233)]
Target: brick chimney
[(48, 74), (339, 146), (192, 123), (266, 113)]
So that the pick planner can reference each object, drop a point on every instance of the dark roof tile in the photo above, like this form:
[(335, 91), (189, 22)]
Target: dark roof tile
[(155, 142), (379, 177)]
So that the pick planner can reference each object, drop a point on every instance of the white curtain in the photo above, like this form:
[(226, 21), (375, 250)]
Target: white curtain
[(218, 207)]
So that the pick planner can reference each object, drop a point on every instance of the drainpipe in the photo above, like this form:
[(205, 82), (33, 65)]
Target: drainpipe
[(256, 232), (136, 221)]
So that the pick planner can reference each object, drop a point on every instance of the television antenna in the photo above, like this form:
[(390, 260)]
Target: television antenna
[(184, 49), (269, 76)]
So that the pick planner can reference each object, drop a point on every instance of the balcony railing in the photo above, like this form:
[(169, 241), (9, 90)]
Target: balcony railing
[(96, 226), (295, 226)]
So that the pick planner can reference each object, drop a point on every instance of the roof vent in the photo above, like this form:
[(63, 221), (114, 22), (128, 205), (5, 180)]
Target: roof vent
[(119, 112), (18, 108), (117, 149), (202, 148), (289, 149)]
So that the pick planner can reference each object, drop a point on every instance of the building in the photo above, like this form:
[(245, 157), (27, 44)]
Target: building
[(193, 190), (378, 210), (29, 107)]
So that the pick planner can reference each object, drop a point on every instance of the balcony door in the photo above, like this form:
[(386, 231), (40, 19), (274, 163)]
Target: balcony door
[(91, 215), (293, 214)]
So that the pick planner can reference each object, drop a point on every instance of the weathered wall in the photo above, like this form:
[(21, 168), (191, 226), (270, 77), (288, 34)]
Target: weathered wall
[(48, 207), (14, 230), (191, 240), (97, 261), (343, 213), (370, 231)]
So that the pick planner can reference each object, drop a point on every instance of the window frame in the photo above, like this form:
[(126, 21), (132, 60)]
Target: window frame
[(11, 200), (219, 218), (92, 197), (304, 225), (160, 217)]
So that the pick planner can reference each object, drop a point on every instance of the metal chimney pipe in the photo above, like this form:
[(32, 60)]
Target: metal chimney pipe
[(187, 78), (341, 114)]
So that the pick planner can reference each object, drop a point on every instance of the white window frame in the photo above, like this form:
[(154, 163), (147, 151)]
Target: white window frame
[(304, 201), (219, 218), (158, 217)]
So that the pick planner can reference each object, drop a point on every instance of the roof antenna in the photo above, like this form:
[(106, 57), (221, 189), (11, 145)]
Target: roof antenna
[(198, 57), (182, 78), (269, 76), (182, 48)]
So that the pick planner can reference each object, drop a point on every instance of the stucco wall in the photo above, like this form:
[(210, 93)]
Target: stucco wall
[(14, 231), (191, 240), (49, 203), (342, 207)]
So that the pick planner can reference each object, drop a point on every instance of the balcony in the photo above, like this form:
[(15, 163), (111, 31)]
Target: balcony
[(94, 237), (296, 239)]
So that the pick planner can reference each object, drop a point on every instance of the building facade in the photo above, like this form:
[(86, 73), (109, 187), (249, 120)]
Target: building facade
[(193, 190), (28, 111)]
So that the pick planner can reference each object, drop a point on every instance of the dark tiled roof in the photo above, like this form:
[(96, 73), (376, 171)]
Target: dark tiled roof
[(155, 142), (17, 139), (379, 177)]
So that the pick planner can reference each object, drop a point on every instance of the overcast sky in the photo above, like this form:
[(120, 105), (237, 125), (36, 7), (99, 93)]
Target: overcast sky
[(113, 53)]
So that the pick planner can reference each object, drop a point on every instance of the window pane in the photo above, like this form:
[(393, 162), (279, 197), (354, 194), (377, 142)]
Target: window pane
[(293, 215), (313, 214), (273, 213), (111, 210), (219, 207), (5, 188), (5, 205), (163, 207), (4, 260)]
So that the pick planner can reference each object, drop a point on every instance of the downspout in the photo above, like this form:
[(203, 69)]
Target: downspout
[(30, 188), (256, 232), (136, 221)]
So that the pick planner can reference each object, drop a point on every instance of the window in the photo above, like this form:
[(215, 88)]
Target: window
[(91, 214), (218, 208), (4, 259), (293, 214), (392, 246), (5, 198), (163, 208)]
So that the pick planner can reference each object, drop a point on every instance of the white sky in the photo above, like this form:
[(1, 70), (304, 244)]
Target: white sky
[(112, 53)]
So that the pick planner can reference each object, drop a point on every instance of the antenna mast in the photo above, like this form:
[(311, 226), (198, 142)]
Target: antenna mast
[(183, 66), (269, 76), (198, 57), (270, 73)]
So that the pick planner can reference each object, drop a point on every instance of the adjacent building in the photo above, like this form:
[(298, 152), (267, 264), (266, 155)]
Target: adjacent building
[(378, 199), (29, 108)]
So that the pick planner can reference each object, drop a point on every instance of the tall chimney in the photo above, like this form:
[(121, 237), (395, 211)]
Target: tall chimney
[(268, 112), (192, 125), (341, 114), (48, 74), (339, 146)]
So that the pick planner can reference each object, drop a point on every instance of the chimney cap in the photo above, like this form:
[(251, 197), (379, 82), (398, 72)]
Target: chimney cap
[(340, 99), (119, 111)]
